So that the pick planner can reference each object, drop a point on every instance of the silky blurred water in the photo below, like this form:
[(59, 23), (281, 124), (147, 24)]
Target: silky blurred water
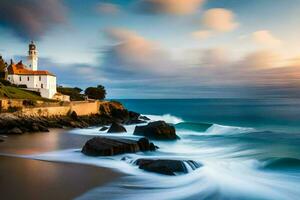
[(266, 114), (249, 149)]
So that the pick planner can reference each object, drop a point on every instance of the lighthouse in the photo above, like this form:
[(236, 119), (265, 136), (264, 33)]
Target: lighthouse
[(41, 81), (32, 57)]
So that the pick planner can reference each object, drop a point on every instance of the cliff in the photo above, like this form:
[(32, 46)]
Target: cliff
[(78, 115)]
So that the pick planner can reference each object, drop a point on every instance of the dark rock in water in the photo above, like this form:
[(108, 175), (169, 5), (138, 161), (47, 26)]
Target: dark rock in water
[(134, 118), (152, 147), (120, 115), (116, 128), (105, 146), (15, 131), (145, 145), (35, 127), (135, 121), (158, 130), (104, 128), (144, 118), (43, 128), (74, 115), (167, 167), (133, 115)]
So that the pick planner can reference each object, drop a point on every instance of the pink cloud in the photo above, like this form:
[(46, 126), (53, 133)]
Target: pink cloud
[(175, 7), (220, 20)]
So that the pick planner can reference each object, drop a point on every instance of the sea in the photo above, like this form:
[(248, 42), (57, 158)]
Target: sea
[(249, 149)]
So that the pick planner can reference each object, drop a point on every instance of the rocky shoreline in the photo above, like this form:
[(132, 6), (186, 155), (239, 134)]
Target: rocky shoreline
[(14, 123), (111, 119)]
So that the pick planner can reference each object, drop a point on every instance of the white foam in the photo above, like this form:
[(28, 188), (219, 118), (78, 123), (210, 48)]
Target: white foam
[(166, 117), (217, 129)]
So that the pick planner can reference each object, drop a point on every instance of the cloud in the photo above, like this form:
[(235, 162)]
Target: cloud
[(215, 57), (214, 75), (294, 62), (107, 8), (262, 59), (30, 19), (202, 34), (134, 54), (220, 20), (266, 38), (174, 7)]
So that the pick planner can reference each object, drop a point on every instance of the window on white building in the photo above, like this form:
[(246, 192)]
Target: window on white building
[(42, 86), (40, 78), (20, 78), (28, 78)]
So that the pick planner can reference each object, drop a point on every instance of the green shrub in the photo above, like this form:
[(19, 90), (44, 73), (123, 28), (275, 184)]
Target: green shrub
[(74, 93), (98, 92)]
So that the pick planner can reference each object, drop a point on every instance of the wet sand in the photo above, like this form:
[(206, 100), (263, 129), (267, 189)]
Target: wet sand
[(33, 179), (56, 139)]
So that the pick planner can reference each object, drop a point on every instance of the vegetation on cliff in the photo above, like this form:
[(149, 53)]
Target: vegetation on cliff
[(12, 92), (98, 92), (74, 93)]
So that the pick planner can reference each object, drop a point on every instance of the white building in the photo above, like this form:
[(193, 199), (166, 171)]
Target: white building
[(41, 81)]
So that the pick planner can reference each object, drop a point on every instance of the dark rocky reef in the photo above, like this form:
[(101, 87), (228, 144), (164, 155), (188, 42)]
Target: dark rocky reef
[(12, 124), (115, 111), (167, 167), (158, 130), (106, 146)]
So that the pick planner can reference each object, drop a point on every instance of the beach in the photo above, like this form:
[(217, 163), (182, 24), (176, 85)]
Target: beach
[(23, 178)]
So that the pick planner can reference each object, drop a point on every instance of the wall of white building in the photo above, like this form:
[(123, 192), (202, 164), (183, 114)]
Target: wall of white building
[(45, 84)]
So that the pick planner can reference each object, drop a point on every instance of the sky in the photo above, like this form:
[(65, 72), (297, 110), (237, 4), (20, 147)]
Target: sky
[(161, 48)]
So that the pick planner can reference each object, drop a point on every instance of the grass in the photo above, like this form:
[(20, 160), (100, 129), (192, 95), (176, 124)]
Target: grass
[(12, 92)]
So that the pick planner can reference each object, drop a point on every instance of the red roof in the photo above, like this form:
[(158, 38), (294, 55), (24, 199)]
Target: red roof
[(20, 69)]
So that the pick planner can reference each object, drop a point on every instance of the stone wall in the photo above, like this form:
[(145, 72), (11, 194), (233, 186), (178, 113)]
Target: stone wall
[(81, 108), (45, 111), (5, 104), (48, 109)]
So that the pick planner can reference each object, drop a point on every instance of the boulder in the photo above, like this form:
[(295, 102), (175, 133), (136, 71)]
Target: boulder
[(158, 130), (116, 128), (43, 128), (105, 146), (104, 128), (74, 115), (120, 115), (34, 128), (134, 118), (133, 115), (144, 118), (146, 145), (167, 167), (15, 131), (135, 121)]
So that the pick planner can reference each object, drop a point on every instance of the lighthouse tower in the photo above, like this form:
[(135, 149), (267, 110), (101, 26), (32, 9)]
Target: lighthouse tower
[(32, 56)]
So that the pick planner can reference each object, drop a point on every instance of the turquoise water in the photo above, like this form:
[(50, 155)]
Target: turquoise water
[(265, 114), (249, 149)]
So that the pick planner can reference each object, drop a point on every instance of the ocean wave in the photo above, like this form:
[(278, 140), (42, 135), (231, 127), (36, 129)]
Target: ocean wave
[(192, 126), (212, 129), (217, 129), (282, 163), (166, 117)]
